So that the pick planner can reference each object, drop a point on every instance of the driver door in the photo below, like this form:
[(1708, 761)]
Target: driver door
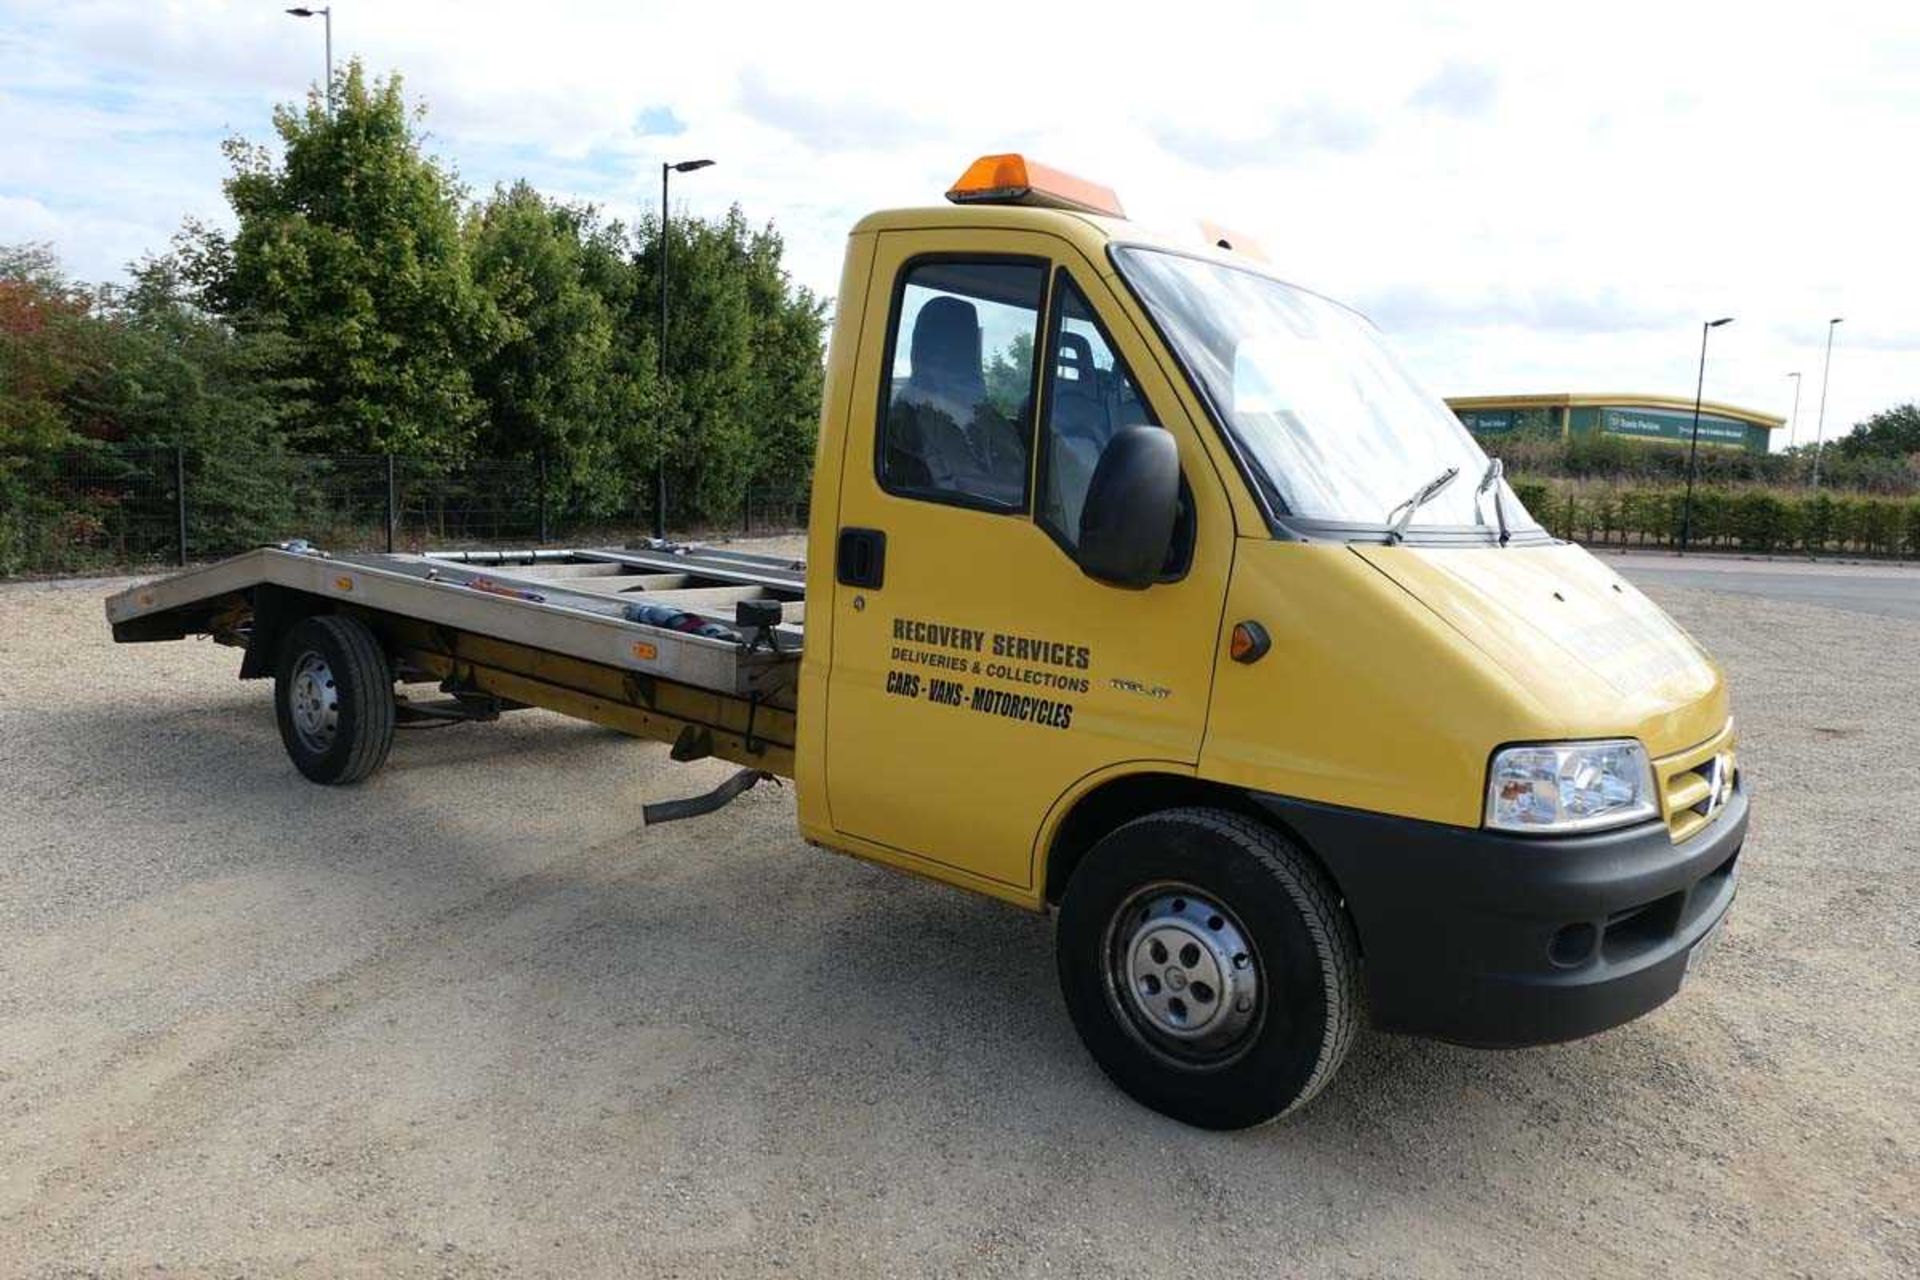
[(978, 675)]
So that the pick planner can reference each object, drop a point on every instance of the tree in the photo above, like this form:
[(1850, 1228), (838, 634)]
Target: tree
[(48, 340), (741, 399), (357, 305), (1891, 433), (351, 244), (633, 394), (783, 404), (547, 385), (182, 377), (1009, 375), (81, 368), (699, 420)]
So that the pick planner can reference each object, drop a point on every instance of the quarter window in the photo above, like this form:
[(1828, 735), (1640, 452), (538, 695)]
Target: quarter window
[(1091, 397), (960, 396)]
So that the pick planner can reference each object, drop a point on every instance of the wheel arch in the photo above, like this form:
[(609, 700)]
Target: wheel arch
[(276, 610), (1114, 801)]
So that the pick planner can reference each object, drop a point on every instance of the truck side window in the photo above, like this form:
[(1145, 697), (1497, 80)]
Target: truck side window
[(960, 398), (1091, 396)]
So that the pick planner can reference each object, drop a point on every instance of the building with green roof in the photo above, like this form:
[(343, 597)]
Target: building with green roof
[(1642, 417)]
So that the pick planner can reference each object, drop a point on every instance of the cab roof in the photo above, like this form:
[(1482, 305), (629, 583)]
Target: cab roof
[(1012, 192), (1089, 232)]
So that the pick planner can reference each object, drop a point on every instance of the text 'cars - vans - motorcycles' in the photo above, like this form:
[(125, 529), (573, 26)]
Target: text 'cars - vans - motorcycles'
[(1142, 587)]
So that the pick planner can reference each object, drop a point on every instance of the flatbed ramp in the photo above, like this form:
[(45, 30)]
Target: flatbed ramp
[(693, 645)]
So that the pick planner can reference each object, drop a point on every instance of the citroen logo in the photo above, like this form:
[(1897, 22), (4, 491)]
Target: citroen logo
[(1719, 783)]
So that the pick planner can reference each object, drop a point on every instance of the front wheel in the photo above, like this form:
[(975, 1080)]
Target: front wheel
[(333, 696), (1208, 967)]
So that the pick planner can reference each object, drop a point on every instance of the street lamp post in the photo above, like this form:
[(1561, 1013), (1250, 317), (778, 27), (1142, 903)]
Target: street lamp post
[(1820, 431), (1693, 449), (1794, 421), (660, 465), (327, 14)]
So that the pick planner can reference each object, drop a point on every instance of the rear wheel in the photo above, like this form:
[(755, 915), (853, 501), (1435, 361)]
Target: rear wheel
[(333, 695), (1208, 967)]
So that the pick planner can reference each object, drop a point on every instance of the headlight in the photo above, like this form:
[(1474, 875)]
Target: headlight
[(1573, 786)]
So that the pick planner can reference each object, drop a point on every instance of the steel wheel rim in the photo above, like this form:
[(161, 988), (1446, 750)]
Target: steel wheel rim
[(1183, 974), (313, 702)]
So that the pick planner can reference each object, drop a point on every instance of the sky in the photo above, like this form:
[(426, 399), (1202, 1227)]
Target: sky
[(1524, 197)]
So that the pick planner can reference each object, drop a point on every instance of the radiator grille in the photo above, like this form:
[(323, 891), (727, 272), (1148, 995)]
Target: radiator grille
[(1696, 785)]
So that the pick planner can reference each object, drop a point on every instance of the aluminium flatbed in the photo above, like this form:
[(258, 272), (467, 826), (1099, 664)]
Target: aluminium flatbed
[(693, 645)]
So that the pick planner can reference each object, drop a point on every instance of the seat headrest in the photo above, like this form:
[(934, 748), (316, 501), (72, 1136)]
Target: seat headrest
[(946, 343), (1076, 353)]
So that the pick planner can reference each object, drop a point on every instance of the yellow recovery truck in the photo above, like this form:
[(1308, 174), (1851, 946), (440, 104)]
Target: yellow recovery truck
[(1210, 631)]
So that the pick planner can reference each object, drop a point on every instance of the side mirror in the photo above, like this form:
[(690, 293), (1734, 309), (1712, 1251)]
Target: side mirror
[(1126, 523)]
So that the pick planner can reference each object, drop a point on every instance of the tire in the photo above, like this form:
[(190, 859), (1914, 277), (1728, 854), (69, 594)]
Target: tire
[(1208, 967), (333, 696)]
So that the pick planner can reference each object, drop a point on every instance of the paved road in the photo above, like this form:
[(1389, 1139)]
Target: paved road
[(1892, 591)]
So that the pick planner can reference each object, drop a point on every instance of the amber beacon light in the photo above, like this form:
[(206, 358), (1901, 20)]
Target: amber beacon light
[(1014, 179)]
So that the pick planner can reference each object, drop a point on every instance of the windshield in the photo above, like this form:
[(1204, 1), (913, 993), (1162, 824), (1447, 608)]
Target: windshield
[(1333, 426)]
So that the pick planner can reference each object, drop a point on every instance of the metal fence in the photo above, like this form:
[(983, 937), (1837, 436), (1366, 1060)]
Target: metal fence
[(113, 507), (108, 508)]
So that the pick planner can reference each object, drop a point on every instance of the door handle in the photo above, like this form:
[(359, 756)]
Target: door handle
[(860, 559)]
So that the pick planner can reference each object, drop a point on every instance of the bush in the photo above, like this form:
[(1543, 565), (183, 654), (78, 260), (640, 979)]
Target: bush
[(1534, 495), (1757, 518), (1623, 460), (1761, 519)]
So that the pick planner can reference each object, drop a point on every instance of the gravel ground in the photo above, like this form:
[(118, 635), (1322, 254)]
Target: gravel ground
[(468, 1019)]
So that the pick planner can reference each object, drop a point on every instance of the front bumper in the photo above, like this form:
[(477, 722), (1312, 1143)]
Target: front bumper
[(1490, 939)]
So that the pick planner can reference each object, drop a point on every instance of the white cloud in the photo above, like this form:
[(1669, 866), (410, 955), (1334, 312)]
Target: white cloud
[(1462, 89), (1528, 197)]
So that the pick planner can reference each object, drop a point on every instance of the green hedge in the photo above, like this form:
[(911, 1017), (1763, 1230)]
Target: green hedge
[(1755, 519), (1618, 460)]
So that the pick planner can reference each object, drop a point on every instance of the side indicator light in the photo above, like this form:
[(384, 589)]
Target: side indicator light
[(644, 651), (1250, 642), (343, 583), (1014, 179)]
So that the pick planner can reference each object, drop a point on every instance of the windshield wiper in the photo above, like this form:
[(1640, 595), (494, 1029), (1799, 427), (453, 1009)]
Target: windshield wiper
[(1496, 471), (1397, 528)]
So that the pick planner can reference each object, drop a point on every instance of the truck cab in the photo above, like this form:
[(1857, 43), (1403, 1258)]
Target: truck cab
[(1149, 587)]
